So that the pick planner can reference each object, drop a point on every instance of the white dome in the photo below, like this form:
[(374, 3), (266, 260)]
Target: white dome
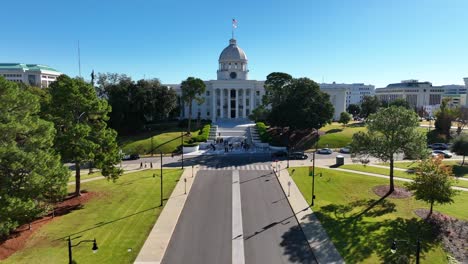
[(232, 53)]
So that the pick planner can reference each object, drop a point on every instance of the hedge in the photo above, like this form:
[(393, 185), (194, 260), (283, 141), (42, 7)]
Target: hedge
[(263, 133), (202, 135)]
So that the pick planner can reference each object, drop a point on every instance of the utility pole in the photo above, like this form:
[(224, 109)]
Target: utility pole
[(182, 148), (161, 178)]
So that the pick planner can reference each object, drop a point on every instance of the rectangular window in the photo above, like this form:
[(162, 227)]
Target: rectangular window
[(208, 113), (207, 93), (258, 93)]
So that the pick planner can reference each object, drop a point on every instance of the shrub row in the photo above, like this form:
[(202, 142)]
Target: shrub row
[(202, 135), (263, 132)]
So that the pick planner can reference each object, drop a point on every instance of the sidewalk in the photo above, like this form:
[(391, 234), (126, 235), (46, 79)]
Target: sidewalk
[(323, 248), (129, 169), (155, 245)]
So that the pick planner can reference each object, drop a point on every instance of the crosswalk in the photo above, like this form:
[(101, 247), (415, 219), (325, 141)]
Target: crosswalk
[(243, 167)]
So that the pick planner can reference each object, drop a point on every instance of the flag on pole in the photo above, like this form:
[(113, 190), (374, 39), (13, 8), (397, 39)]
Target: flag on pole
[(234, 23)]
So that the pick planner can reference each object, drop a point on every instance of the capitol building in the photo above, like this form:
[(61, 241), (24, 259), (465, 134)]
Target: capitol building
[(232, 96)]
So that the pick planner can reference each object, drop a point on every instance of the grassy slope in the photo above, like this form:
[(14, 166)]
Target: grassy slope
[(340, 195), (121, 217), (167, 141), (396, 173), (337, 136)]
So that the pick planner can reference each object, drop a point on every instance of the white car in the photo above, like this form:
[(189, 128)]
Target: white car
[(443, 153), (345, 150), (325, 151)]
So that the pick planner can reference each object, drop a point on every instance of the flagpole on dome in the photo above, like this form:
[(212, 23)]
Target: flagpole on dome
[(234, 25)]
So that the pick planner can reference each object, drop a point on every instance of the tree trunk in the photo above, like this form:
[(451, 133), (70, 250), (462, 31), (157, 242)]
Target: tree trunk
[(189, 117), (77, 179), (392, 186), (430, 211)]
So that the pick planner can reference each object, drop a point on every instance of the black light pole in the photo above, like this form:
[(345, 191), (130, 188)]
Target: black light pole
[(161, 178), (182, 148), (393, 248), (70, 257), (313, 170)]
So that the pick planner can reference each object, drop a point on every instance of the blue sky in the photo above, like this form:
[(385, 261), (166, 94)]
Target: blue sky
[(370, 41)]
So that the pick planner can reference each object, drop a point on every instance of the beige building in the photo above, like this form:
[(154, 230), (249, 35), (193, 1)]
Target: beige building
[(32, 74)]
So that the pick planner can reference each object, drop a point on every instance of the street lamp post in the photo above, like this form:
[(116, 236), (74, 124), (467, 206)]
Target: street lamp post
[(393, 248), (161, 178), (182, 148), (70, 256), (313, 170)]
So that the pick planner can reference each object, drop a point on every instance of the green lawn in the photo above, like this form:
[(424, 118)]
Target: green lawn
[(337, 136), (84, 176), (120, 217), (396, 173), (167, 142), (341, 197)]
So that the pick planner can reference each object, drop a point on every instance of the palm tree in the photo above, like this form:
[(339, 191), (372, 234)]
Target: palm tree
[(192, 88)]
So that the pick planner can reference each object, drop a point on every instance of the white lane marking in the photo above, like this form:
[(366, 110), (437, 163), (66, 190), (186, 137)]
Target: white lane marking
[(237, 230)]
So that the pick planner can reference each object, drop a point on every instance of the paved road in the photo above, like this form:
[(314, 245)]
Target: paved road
[(237, 215)]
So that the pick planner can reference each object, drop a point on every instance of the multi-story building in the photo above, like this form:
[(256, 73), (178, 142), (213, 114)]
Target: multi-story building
[(354, 91), (234, 96), (31, 74)]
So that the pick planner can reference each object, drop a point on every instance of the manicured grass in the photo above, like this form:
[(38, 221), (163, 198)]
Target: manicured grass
[(341, 197), (84, 176), (458, 170), (396, 173), (167, 142), (337, 136), (120, 217)]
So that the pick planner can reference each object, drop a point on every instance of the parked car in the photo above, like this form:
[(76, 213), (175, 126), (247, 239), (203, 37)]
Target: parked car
[(438, 146), (325, 151), (345, 150), (279, 153), (131, 157), (298, 155), (443, 153)]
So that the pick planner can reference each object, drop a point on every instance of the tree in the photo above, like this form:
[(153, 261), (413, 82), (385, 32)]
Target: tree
[(444, 118), (31, 173), (192, 89), (400, 102), (461, 116), (344, 118), (274, 88), (433, 183), (82, 134), (460, 146), (391, 131), (303, 106), (369, 105), (259, 114), (354, 109)]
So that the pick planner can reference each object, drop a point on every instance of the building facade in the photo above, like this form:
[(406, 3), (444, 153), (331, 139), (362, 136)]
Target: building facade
[(424, 94), (354, 91), (233, 96), (31, 74)]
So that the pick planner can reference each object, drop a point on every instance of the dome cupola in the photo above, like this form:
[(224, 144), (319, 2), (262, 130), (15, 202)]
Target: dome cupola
[(232, 63)]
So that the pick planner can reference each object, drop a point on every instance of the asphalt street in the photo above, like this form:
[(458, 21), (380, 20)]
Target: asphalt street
[(237, 216)]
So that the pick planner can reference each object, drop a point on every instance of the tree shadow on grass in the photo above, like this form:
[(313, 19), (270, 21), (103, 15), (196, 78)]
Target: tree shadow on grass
[(358, 236), (335, 130)]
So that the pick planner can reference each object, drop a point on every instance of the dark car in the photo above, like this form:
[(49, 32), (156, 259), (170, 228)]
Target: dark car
[(438, 146), (279, 153), (131, 157), (298, 155), (443, 153)]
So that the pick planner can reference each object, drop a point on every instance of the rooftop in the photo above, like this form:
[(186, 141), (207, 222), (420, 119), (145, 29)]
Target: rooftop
[(26, 67)]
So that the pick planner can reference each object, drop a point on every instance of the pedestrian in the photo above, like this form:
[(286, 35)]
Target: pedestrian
[(151, 164), (145, 164), (141, 165)]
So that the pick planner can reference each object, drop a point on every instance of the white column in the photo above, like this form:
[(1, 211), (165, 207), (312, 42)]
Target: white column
[(221, 102), (229, 103), (243, 102), (237, 103), (213, 105), (251, 100)]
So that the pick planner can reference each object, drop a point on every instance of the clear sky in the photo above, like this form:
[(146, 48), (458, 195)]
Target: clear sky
[(369, 41)]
